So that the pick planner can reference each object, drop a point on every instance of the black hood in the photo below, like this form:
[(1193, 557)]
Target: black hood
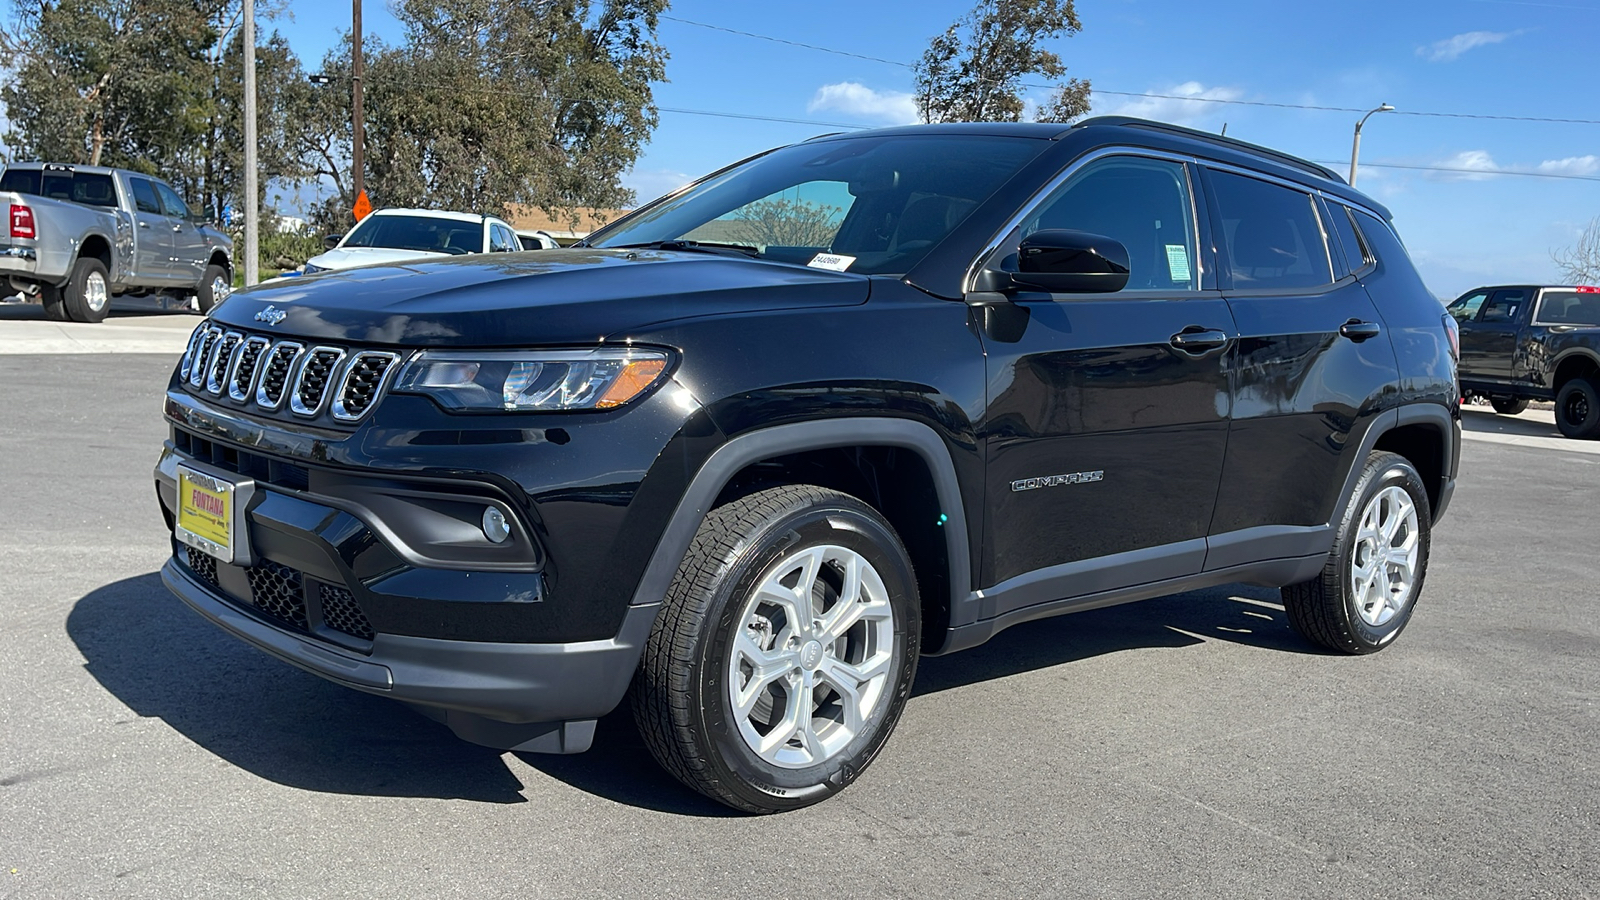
[(532, 298)]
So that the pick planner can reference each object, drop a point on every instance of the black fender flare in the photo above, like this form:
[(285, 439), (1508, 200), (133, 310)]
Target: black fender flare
[(817, 434), (1433, 414)]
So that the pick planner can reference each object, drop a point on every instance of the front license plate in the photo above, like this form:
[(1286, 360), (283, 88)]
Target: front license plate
[(205, 513)]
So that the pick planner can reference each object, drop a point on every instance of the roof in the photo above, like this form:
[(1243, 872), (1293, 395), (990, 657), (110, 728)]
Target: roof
[(75, 167), (1044, 131), (430, 214)]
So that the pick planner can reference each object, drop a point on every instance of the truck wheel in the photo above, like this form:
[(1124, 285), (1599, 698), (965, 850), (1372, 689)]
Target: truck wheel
[(1508, 406), (214, 287), (1578, 409), (784, 651), (87, 295), (55, 305), (1366, 592)]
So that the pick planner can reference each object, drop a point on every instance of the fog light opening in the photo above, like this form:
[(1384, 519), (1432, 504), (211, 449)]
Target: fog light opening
[(495, 526)]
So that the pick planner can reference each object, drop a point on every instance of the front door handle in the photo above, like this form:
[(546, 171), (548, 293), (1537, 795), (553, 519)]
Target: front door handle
[(1198, 341), (1358, 331), (143, 224), (177, 228)]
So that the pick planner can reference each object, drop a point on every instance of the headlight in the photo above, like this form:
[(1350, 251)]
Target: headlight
[(309, 269), (533, 381)]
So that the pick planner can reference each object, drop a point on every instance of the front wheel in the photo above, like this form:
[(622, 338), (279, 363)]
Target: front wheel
[(1508, 406), (1364, 597), (784, 651), (1578, 409), (214, 287)]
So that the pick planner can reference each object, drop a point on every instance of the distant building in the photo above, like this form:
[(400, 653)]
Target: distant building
[(568, 226)]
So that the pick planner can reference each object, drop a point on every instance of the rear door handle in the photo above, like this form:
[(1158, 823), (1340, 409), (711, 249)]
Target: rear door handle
[(143, 224), (1358, 331), (1198, 341)]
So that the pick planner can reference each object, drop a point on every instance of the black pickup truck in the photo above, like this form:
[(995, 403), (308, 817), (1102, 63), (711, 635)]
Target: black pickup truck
[(1522, 343)]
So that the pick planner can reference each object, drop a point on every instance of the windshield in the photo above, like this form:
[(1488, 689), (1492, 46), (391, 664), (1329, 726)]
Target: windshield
[(91, 188), (1570, 308), (424, 233), (874, 205)]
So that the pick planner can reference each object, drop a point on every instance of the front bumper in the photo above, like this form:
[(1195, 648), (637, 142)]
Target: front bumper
[(532, 697), (313, 567)]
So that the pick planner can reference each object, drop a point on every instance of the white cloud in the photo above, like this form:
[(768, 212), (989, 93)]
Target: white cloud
[(1182, 105), (1572, 165), (853, 98), (1450, 49), (1473, 165)]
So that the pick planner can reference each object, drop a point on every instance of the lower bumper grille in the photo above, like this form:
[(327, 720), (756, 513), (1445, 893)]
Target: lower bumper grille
[(280, 593)]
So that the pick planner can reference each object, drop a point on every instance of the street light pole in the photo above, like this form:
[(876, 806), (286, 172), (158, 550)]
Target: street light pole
[(252, 224), (357, 163), (1355, 149)]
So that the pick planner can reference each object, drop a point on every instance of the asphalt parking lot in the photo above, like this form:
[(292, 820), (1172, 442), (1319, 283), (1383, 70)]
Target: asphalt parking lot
[(1186, 747)]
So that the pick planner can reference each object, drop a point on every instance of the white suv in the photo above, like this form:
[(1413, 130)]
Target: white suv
[(395, 235)]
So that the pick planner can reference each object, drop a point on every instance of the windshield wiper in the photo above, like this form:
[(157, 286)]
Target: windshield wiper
[(692, 247)]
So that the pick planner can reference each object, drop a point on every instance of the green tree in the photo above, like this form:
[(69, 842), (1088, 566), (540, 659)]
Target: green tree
[(488, 103), (112, 82), (973, 71)]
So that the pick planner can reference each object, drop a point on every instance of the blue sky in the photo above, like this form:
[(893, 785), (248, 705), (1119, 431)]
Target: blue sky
[(1495, 57)]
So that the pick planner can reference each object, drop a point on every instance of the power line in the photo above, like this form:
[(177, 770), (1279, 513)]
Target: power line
[(1110, 93), (1463, 170)]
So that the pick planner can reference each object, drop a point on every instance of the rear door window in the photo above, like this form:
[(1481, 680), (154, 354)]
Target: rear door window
[(1504, 307), (144, 196), (1272, 235)]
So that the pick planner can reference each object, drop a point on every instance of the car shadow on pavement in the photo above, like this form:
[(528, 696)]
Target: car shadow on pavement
[(1237, 613), (267, 717), (290, 727)]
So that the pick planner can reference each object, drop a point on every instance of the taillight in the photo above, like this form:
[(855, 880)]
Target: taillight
[(22, 221), (1454, 331)]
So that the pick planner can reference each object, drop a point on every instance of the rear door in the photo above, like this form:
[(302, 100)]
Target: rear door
[(1104, 436), (189, 248), (1311, 369), (1489, 341), (152, 247)]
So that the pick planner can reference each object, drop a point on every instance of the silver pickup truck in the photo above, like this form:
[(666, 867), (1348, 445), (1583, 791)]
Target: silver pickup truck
[(78, 235)]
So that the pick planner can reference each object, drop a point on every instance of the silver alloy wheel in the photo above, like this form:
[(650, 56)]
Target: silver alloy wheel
[(811, 656), (220, 289), (1383, 564), (95, 292)]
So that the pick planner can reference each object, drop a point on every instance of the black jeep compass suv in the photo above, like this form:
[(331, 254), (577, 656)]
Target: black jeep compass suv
[(754, 448)]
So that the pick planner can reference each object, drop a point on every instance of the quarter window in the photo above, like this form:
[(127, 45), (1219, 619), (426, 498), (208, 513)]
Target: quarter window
[(1271, 234), (1144, 204), (1355, 252)]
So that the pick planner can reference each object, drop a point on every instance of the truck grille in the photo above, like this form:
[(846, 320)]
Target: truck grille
[(251, 370)]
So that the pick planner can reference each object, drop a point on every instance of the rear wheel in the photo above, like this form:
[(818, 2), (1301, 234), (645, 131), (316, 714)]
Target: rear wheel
[(783, 653), (1578, 409), (1364, 597), (1508, 406), (87, 295), (55, 305)]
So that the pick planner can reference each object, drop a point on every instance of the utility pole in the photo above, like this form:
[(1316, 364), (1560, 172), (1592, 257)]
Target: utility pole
[(358, 145), (252, 215)]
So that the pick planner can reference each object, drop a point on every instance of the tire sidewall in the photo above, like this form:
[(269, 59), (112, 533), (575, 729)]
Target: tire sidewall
[(737, 765), (75, 295), (1590, 426), (1391, 472), (207, 300)]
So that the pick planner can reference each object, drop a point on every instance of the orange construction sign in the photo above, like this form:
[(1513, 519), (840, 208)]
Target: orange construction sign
[(363, 206)]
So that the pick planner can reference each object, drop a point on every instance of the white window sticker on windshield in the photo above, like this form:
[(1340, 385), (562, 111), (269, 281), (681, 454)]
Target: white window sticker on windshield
[(833, 262), (1178, 262)]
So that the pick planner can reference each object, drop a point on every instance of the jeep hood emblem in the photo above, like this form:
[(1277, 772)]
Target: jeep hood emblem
[(271, 315)]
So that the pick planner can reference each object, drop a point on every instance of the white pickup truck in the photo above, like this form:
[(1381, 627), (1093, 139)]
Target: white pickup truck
[(75, 236)]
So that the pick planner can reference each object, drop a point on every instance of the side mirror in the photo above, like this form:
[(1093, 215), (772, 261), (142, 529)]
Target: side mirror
[(1071, 262), (332, 240)]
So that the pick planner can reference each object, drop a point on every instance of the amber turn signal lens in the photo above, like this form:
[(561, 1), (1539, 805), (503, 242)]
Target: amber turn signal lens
[(637, 375)]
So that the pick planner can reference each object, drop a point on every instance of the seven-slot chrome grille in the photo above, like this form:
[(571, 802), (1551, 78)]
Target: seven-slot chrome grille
[(307, 381)]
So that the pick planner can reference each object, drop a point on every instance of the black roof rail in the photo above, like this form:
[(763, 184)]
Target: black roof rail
[(1209, 137)]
